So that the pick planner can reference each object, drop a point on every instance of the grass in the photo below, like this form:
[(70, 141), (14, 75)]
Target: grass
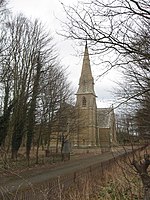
[(122, 183), (118, 183), (121, 189)]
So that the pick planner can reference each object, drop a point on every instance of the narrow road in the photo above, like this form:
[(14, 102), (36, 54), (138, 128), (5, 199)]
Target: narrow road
[(30, 178)]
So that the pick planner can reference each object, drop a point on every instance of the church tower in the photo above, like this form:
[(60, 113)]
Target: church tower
[(86, 105)]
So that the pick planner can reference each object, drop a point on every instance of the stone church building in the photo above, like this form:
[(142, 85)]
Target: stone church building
[(96, 126)]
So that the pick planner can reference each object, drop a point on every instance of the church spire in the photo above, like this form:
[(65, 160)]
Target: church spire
[(86, 104), (86, 82)]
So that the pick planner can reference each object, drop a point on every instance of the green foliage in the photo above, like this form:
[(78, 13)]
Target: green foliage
[(121, 189)]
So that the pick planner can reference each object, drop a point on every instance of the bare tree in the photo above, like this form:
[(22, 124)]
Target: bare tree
[(6, 107), (21, 56), (142, 169), (31, 110), (30, 56), (136, 89), (118, 32), (55, 89), (111, 28)]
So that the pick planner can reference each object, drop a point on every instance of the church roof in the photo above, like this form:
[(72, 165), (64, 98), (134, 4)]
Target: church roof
[(104, 117)]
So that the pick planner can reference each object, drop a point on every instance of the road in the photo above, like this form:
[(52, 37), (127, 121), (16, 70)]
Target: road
[(27, 179)]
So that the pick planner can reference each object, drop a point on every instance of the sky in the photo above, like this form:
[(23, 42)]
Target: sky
[(49, 12)]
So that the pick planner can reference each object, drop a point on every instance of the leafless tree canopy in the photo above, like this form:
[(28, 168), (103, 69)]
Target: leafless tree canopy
[(119, 35), (107, 24), (118, 32), (33, 82)]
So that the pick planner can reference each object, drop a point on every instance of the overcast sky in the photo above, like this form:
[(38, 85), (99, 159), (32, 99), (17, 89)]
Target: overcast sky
[(48, 11)]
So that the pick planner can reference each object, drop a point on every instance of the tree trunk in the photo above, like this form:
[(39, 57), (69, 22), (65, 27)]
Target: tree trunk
[(57, 142), (4, 123), (146, 185), (31, 113), (38, 144), (14, 154), (141, 167)]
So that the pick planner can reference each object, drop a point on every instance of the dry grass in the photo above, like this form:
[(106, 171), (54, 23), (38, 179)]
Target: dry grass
[(115, 188), (118, 183)]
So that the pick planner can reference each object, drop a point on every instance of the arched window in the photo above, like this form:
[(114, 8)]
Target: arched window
[(83, 101)]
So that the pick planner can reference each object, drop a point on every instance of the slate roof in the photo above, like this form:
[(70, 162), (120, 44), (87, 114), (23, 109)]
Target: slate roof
[(104, 117)]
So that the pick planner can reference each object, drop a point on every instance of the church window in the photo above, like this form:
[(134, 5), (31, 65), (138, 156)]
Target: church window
[(83, 101)]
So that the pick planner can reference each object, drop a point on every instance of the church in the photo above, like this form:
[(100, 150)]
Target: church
[(96, 126)]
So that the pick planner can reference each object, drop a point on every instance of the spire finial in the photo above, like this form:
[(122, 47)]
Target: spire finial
[(86, 43)]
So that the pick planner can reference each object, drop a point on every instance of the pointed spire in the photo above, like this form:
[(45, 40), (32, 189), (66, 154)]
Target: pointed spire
[(86, 68), (86, 82)]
